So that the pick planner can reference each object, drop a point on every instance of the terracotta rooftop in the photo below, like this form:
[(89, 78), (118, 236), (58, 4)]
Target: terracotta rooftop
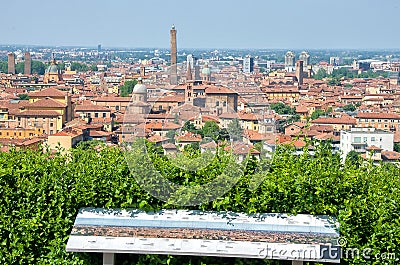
[(48, 92), (169, 146), (40, 113), (341, 120), (113, 99), (189, 137), (377, 115), (71, 133), (254, 135), (157, 138), (91, 107), (162, 126), (218, 90), (390, 155), (46, 103)]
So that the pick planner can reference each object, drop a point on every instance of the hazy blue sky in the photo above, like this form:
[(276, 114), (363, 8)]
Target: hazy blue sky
[(203, 23)]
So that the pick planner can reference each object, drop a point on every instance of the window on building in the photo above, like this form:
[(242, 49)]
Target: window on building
[(51, 124), (217, 103), (51, 132), (160, 107), (224, 104), (357, 139), (365, 139), (104, 114), (116, 107), (20, 134), (96, 115)]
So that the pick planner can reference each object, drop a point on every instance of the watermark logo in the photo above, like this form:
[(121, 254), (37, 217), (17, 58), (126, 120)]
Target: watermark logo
[(323, 252)]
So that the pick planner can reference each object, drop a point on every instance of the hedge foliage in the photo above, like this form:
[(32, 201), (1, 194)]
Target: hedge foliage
[(41, 193)]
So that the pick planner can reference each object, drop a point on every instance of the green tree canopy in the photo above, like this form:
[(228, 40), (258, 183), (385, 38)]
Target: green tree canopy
[(79, 67), (211, 129), (349, 107), (3, 67), (23, 96), (38, 67), (127, 88), (321, 74), (235, 130), (317, 113), (19, 68), (282, 108), (189, 127)]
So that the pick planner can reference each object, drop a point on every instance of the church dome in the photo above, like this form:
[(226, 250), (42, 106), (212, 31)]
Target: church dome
[(206, 70), (52, 69), (139, 89)]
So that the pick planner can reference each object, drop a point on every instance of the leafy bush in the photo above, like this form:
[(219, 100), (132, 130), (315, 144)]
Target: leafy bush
[(41, 194)]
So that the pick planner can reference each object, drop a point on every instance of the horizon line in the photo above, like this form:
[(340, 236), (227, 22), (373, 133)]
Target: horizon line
[(197, 48)]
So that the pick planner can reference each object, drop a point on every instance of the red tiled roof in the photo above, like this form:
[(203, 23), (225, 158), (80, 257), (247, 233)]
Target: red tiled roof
[(169, 146), (91, 107), (189, 137), (209, 145), (95, 133), (218, 90), (113, 99), (41, 113), (242, 149), (157, 138), (373, 147), (162, 126), (296, 143), (48, 92), (390, 155), (173, 98), (46, 103), (341, 120), (254, 135), (377, 115), (72, 133)]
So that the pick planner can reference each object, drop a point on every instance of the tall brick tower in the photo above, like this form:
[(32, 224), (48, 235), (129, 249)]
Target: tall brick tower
[(27, 63), (11, 63), (173, 78), (299, 72)]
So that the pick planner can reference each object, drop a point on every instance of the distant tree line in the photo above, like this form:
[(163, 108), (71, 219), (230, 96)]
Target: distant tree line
[(337, 74), (37, 67)]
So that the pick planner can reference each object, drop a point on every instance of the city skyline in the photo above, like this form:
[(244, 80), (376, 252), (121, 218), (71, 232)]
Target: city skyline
[(307, 24)]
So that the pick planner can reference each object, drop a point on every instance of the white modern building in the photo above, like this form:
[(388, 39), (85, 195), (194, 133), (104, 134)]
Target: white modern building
[(248, 64), (358, 139)]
